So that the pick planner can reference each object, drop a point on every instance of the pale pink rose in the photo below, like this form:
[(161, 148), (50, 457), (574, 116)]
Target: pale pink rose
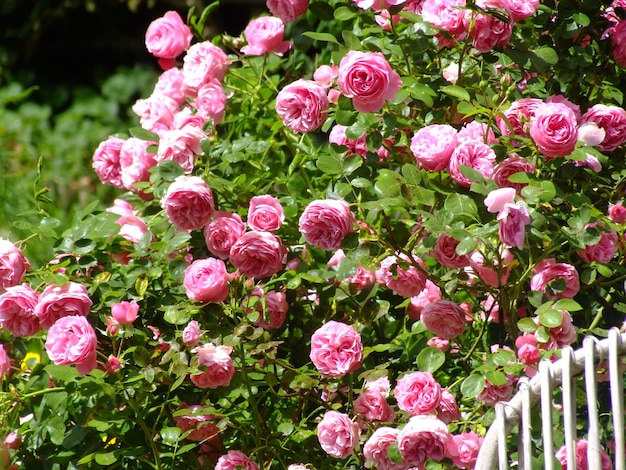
[(591, 134), (302, 105), (125, 313), (604, 250), (170, 83), (613, 120), (222, 232), (206, 280), (72, 340), (219, 366), (199, 423), (509, 166), (423, 438), (554, 129), (617, 213), (445, 15), (191, 334), (377, 5), (513, 219), (325, 75), (376, 449), (489, 270), (258, 254), (492, 394), (582, 463), (440, 343), (265, 214), (590, 162), (211, 101), (448, 410), (60, 301), (476, 155), (264, 35), (181, 146), (477, 131), (444, 318), (463, 449), (202, 62), (12, 440), (429, 294), (368, 79), (325, 222), (380, 385), (445, 252), (337, 434), (156, 113), (187, 116), (338, 136), (517, 117), (287, 10), (189, 203), (418, 393), (487, 31), (384, 19), (271, 306), (235, 460), (135, 162), (13, 265), (547, 271), (336, 349), (5, 362), (497, 199), (168, 37), (432, 146), (112, 365), (106, 162), (519, 10), (17, 311), (371, 405), (451, 72)]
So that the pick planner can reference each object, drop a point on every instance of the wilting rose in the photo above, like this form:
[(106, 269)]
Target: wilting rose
[(271, 306), (199, 423)]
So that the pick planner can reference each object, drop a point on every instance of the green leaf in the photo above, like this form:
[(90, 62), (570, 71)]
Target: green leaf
[(344, 13), (496, 377), (456, 92), (466, 246), (62, 373), (170, 435), (106, 458), (551, 319), (285, 428), (177, 316), (324, 37), (141, 133), (462, 206), (527, 325), (330, 164), (472, 386), (567, 304), (430, 359)]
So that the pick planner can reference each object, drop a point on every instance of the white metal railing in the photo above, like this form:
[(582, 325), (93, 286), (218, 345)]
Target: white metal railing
[(494, 452)]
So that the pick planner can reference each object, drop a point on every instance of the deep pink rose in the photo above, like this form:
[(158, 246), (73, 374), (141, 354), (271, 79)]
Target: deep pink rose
[(423, 438), (547, 271), (325, 222), (202, 62), (72, 340), (5, 362), (188, 203), (265, 35), (196, 421), (191, 334), (13, 265), (56, 302), (613, 120), (235, 460), (106, 162), (168, 37), (125, 313), (487, 31), (17, 311), (604, 250), (206, 280), (287, 10), (336, 349), (562, 335), (181, 146), (493, 394), (337, 434), (517, 117), (509, 166), (211, 101), (265, 214), (135, 162), (376, 449), (170, 83), (445, 252), (302, 105), (433, 145), (371, 405), (407, 282), (513, 219), (368, 79), (258, 254), (618, 41), (444, 318), (219, 366), (222, 232), (463, 449), (582, 463), (617, 213), (489, 270), (476, 155), (448, 409), (429, 294), (156, 113), (519, 10), (271, 306), (338, 136), (112, 365), (418, 393), (554, 129)]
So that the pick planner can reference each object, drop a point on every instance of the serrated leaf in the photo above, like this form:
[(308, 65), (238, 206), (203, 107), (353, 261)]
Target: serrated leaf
[(551, 318), (456, 92), (170, 435), (430, 359), (472, 386), (527, 325)]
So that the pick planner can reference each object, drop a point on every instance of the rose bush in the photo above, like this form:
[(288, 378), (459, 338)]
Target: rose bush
[(339, 239)]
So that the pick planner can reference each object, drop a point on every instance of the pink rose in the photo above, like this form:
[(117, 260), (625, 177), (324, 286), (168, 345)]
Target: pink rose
[(156, 113), (527, 351), (517, 117), (617, 213), (445, 15), (171, 84), (463, 449), (418, 393), (604, 250), (337, 434), (562, 335), (5, 362), (487, 31), (405, 281), (448, 410), (132, 228), (513, 219), (258, 254), (13, 265), (188, 203), (444, 318), (302, 105), (125, 313), (493, 271), (271, 306), (72, 340), (56, 302), (445, 252), (287, 10), (265, 214), (325, 75), (202, 62), (493, 394), (168, 37), (338, 136), (265, 35), (376, 449), (325, 222), (184, 117), (222, 232), (423, 438), (106, 162), (206, 280), (368, 79), (582, 463), (12, 440), (476, 155), (235, 460), (336, 349), (509, 166), (219, 366), (17, 311), (497, 199), (433, 145), (135, 162), (429, 294), (211, 101), (199, 423), (112, 365), (440, 343), (547, 271), (519, 11), (361, 279), (371, 405), (191, 334), (554, 129), (475, 130), (613, 120), (590, 134), (181, 146)]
